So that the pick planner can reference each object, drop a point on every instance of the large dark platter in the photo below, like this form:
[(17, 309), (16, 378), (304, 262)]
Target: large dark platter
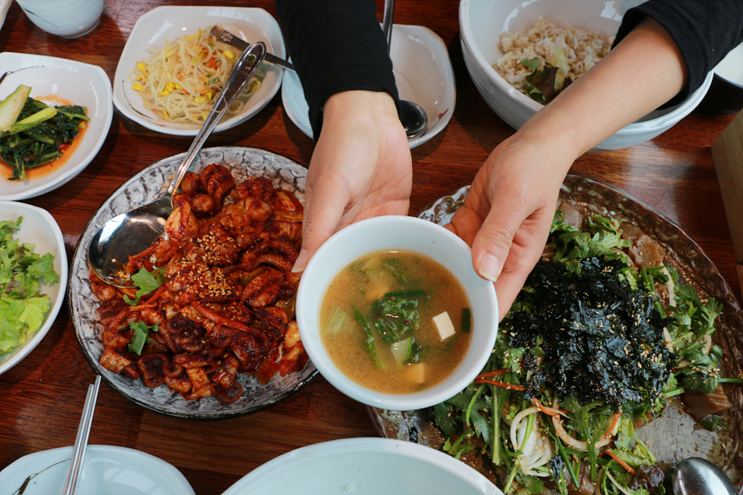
[(675, 435)]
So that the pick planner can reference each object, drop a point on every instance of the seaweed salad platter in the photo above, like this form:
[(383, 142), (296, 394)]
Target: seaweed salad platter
[(616, 360)]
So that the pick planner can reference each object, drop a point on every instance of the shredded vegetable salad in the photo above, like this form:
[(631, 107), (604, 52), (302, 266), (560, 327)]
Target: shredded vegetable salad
[(595, 343)]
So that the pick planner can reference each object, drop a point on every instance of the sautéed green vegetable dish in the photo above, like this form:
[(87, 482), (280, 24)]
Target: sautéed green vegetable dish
[(33, 134)]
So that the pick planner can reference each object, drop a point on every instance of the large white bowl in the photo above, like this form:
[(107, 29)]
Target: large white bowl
[(82, 84), (106, 469), (161, 23), (364, 466), (39, 228), (481, 24), (423, 74), (397, 233)]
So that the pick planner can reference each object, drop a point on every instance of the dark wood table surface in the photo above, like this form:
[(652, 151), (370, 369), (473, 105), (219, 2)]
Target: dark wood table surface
[(41, 398)]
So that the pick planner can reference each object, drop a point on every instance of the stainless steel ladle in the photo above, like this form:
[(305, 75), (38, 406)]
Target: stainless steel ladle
[(132, 232), (412, 115), (697, 476)]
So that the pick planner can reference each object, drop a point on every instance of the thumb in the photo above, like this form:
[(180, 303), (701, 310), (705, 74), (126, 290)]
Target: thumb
[(508, 246), (492, 243), (325, 206)]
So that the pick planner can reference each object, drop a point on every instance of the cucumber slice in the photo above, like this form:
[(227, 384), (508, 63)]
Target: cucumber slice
[(10, 107), (33, 120), (401, 351), (339, 320)]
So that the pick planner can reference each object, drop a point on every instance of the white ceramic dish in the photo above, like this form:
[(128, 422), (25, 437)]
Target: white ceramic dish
[(4, 6), (79, 83), (38, 227), (483, 21), (423, 74), (364, 466), (107, 469), (389, 233), (161, 23)]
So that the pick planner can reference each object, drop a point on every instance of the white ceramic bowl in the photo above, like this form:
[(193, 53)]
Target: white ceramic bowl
[(364, 466), (481, 24), (82, 84), (107, 469), (4, 6), (423, 74), (393, 233), (38, 227), (161, 23), (64, 18)]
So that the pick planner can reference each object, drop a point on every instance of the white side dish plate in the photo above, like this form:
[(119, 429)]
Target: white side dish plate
[(107, 469), (39, 228), (4, 6), (364, 466), (423, 74), (81, 84), (169, 23)]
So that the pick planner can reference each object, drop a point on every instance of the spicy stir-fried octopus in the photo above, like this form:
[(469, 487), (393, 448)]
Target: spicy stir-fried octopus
[(227, 303)]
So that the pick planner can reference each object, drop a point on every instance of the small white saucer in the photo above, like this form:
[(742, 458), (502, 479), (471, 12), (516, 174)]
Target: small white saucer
[(107, 469), (423, 74)]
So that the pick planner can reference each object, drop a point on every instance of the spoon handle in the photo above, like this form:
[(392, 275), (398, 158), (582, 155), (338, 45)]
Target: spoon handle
[(387, 16), (241, 74)]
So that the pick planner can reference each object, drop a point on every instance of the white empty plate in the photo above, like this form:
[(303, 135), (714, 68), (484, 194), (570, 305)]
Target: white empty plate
[(423, 74), (107, 470), (364, 466)]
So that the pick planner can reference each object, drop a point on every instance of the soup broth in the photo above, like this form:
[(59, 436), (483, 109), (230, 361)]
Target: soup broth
[(377, 322)]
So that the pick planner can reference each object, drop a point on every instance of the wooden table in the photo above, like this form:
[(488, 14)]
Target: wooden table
[(41, 398)]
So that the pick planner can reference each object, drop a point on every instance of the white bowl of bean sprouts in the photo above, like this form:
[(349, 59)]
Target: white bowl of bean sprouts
[(176, 100)]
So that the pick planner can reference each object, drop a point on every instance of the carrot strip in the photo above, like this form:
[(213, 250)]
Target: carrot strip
[(547, 410), (151, 302), (217, 318), (621, 462), (613, 424), (509, 386), (491, 373)]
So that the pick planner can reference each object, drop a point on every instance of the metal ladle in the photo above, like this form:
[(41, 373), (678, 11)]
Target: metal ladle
[(412, 115), (697, 476), (132, 232)]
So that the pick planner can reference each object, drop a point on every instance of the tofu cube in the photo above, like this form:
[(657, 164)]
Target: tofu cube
[(415, 373), (444, 325)]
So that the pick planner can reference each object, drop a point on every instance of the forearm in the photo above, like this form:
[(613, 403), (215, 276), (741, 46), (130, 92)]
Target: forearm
[(336, 45), (641, 73)]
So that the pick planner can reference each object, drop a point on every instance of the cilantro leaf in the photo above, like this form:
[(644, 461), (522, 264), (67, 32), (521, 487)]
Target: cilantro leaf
[(140, 330), (147, 282)]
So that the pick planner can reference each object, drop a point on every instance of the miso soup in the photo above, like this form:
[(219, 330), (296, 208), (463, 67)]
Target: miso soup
[(377, 322)]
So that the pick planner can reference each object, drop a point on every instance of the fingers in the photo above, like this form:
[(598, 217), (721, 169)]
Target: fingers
[(509, 244), (325, 207)]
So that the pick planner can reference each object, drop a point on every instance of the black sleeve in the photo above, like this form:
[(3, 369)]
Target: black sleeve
[(336, 45), (704, 31)]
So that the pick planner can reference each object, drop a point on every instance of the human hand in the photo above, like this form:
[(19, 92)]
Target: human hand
[(508, 212), (361, 167)]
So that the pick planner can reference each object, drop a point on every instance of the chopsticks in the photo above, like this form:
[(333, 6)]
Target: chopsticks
[(81, 441)]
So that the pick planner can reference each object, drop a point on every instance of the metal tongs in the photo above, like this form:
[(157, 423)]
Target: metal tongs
[(81, 441)]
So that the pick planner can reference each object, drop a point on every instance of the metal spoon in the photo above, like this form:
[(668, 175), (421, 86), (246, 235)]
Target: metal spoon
[(697, 476), (132, 232), (412, 115)]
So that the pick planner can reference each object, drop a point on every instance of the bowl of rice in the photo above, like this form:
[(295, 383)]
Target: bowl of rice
[(570, 35)]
